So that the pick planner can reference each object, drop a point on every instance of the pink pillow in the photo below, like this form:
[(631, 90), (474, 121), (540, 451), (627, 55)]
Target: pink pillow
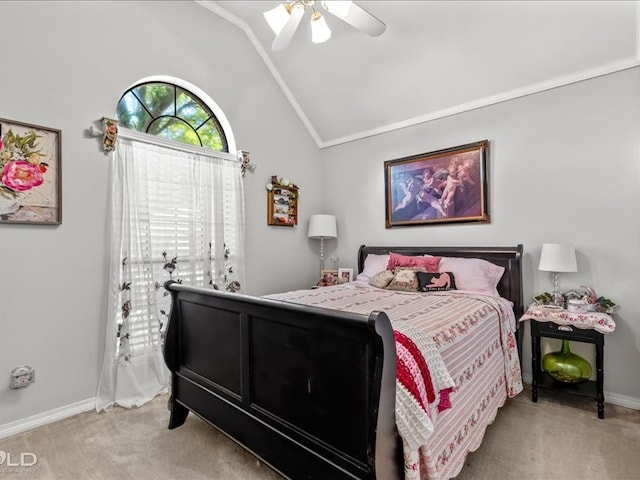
[(473, 274), (373, 264), (397, 260)]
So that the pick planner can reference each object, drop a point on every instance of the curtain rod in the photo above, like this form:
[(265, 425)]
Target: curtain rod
[(157, 140)]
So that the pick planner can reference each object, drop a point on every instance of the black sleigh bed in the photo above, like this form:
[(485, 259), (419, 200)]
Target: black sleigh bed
[(308, 390)]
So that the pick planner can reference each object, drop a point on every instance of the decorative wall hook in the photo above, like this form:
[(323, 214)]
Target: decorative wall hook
[(109, 133), (110, 128), (94, 132)]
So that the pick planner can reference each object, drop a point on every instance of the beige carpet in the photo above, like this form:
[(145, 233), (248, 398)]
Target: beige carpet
[(555, 439)]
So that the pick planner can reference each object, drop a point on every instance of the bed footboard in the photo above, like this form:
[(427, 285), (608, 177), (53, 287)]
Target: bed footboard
[(310, 391)]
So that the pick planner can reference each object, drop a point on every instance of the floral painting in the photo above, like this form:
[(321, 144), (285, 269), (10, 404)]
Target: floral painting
[(30, 174)]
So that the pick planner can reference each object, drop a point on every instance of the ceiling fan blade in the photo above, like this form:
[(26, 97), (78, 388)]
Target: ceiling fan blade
[(357, 17), (288, 31)]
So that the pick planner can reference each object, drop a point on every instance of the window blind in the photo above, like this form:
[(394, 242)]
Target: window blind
[(181, 206)]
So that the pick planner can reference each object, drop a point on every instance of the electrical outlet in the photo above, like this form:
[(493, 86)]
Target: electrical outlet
[(22, 376)]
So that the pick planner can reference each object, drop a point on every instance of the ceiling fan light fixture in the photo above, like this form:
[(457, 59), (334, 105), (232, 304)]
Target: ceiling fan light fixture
[(338, 8), (283, 39), (320, 31), (355, 16), (278, 17), (285, 18)]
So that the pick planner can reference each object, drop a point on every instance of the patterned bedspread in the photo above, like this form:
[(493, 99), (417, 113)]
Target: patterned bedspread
[(468, 346)]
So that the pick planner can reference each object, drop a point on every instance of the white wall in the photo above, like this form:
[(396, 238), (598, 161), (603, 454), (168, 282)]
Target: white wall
[(65, 65), (564, 166)]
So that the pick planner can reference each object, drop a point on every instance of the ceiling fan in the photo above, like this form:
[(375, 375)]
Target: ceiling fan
[(285, 18)]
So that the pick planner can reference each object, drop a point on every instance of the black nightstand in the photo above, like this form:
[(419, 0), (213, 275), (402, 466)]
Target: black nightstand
[(541, 380), (559, 323)]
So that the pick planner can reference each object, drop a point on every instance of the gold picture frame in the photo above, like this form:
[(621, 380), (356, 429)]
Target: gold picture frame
[(445, 186)]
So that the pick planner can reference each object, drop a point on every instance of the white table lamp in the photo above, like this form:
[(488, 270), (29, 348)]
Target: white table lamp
[(322, 226), (556, 258)]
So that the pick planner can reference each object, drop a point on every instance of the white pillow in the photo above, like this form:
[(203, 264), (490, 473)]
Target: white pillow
[(473, 274), (373, 264)]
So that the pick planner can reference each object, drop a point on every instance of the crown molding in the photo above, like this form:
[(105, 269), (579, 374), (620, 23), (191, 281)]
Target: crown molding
[(428, 117), (218, 10), (487, 101)]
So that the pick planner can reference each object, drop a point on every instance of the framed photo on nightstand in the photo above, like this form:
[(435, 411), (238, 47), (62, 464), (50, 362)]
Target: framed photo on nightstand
[(328, 278), (345, 274)]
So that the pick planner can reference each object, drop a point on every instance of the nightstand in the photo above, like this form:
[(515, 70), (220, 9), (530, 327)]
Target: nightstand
[(578, 327)]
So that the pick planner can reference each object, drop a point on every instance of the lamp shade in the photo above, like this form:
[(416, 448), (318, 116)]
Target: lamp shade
[(556, 257), (320, 31), (323, 226)]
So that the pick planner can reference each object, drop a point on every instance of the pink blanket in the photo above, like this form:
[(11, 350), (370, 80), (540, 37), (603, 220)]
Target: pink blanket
[(468, 343)]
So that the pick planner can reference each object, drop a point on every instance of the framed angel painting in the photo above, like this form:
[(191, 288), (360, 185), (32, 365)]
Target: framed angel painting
[(445, 186)]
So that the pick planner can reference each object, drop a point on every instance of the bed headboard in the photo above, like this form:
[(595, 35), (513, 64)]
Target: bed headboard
[(510, 285)]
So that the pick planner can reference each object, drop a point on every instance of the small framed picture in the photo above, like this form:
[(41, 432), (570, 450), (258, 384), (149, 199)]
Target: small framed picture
[(328, 278), (345, 274), (282, 203)]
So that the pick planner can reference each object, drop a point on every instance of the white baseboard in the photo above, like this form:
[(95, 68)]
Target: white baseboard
[(45, 418), (622, 400), (609, 397)]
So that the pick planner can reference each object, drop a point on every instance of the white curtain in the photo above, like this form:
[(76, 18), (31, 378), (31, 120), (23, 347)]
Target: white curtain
[(176, 213)]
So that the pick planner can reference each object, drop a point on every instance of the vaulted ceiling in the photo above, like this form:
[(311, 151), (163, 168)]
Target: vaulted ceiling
[(436, 58)]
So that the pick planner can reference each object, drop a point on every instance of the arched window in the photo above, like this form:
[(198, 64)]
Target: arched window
[(177, 213), (173, 112)]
